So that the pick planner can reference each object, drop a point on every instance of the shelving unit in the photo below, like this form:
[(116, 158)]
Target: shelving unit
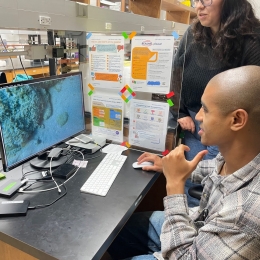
[(175, 11), (106, 4)]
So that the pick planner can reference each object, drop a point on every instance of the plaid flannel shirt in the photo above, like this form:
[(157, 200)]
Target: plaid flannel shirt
[(230, 230)]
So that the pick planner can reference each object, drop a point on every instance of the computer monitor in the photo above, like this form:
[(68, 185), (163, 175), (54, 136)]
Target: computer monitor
[(36, 115)]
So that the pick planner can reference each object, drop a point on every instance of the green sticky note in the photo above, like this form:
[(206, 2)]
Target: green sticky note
[(90, 92), (2, 176), (130, 90), (125, 35), (170, 102)]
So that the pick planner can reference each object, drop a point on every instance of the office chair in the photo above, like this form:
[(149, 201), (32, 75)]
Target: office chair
[(196, 191)]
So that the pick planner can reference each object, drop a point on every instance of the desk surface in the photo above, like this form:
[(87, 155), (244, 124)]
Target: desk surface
[(79, 226)]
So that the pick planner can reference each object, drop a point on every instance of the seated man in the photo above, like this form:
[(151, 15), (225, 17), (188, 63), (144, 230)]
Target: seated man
[(226, 225)]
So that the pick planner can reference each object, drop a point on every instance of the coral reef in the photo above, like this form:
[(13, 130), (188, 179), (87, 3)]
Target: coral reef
[(22, 110), (62, 118)]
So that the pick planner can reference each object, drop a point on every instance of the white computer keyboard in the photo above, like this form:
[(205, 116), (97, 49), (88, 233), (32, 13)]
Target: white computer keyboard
[(104, 175)]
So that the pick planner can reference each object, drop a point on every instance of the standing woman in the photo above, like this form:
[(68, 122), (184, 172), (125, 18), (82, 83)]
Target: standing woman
[(225, 35)]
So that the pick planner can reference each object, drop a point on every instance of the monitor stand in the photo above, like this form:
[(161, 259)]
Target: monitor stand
[(45, 163)]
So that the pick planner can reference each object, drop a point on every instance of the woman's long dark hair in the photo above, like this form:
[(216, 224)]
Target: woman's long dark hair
[(237, 21)]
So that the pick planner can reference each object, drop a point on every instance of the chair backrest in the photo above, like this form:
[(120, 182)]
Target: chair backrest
[(196, 191)]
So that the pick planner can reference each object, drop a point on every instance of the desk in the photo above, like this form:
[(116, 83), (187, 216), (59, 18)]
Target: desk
[(79, 226)]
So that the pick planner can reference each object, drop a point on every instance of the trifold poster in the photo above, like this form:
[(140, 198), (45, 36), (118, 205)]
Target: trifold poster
[(148, 124), (151, 68), (107, 117), (106, 61)]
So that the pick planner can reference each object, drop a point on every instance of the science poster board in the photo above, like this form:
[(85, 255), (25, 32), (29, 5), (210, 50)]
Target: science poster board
[(107, 116), (151, 68), (106, 61), (148, 124)]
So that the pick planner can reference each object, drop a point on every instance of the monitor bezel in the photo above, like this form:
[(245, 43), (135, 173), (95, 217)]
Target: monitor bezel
[(6, 85)]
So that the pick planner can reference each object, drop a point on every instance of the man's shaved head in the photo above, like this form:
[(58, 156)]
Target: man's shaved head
[(238, 88)]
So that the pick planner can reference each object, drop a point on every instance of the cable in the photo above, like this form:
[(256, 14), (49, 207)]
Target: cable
[(75, 151), (49, 204), (52, 176), (29, 172), (21, 190), (23, 67), (9, 56), (24, 174), (88, 158), (36, 181), (72, 156), (93, 157), (93, 142)]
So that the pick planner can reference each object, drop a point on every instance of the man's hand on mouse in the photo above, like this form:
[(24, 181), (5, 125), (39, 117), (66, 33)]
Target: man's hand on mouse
[(177, 169), (149, 157)]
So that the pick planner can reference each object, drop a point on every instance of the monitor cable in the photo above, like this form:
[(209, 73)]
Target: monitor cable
[(52, 176), (24, 174), (23, 190), (49, 204)]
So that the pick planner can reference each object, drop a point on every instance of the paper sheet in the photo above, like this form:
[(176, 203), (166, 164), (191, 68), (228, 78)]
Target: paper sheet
[(152, 63), (148, 124), (106, 61), (107, 117)]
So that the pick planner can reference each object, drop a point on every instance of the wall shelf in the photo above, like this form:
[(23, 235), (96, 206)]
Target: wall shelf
[(175, 11)]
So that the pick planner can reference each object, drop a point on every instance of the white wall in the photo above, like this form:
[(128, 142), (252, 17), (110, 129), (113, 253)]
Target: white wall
[(256, 6)]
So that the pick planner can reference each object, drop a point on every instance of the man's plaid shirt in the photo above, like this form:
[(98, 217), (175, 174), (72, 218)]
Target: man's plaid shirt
[(230, 230)]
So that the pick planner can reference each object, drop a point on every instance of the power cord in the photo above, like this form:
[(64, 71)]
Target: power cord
[(26, 173), (52, 176), (36, 181), (32, 172), (49, 204), (93, 142), (23, 190)]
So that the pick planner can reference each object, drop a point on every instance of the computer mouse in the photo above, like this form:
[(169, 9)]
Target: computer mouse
[(141, 165)]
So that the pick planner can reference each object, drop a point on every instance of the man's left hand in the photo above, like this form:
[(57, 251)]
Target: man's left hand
[(177, 169)]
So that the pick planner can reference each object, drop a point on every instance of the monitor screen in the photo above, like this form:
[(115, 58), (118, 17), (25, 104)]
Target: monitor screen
[(38, 114)]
